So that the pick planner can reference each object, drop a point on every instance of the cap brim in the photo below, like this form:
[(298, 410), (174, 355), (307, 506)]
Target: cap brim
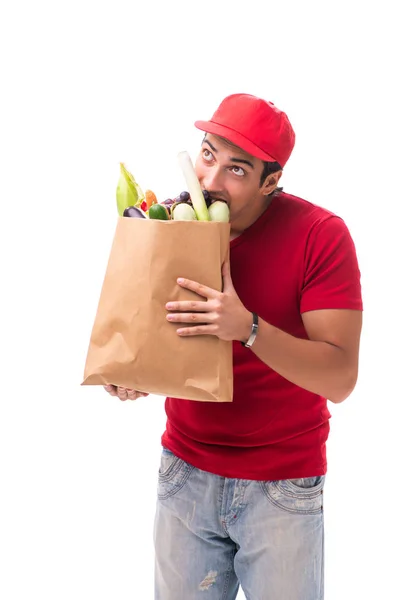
[(235, 138)]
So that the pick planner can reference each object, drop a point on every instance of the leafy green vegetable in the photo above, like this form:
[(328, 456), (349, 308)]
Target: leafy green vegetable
[(129, 192)]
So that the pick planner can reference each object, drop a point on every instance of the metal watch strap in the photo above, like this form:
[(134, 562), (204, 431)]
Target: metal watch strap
[(253, 334)]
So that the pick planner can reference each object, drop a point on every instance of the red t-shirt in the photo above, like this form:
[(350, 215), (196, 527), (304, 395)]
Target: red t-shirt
[(295, 258)]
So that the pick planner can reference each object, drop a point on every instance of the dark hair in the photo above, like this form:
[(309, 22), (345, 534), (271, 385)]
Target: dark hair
[(269, 168)]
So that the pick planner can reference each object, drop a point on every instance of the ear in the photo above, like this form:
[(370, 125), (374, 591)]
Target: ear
[(271, 182)]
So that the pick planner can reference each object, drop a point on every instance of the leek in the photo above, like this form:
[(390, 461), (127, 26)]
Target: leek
[(193, 185)]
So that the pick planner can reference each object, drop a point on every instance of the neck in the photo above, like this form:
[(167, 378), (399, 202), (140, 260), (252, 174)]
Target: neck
[(239, 226)]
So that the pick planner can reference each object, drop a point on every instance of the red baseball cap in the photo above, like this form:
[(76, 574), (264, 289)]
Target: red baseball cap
[(253, 124)]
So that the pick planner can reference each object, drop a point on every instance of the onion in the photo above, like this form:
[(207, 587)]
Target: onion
[(219, 211), (183, 212)]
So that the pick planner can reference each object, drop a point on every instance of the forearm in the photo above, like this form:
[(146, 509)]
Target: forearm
[(319, 367)]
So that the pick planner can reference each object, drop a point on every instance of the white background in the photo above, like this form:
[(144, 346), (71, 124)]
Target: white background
[(86, 85)]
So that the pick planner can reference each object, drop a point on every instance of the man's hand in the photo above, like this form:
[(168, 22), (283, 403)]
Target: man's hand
[(124, 393), (222, 315)]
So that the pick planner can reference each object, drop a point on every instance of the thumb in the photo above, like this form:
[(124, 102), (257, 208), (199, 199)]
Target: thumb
[(227, 283)]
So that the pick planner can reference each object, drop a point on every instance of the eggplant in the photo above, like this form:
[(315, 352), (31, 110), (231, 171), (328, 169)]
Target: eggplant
[(134, 212)]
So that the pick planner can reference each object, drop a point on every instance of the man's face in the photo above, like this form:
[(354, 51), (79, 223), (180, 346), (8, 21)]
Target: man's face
[(230, 174)]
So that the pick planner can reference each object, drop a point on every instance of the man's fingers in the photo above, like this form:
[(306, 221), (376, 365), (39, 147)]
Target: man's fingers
[(191, 317), (134, 394), (198, 288), (124, 393), (190, 306), (111, 389)]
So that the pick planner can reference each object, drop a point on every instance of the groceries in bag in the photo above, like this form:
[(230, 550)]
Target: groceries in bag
[(193, 205)]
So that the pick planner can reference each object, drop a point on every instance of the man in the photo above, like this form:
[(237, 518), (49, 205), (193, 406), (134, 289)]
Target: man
[(240, 484)]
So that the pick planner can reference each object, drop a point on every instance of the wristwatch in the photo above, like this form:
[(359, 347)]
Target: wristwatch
[(253, 334)]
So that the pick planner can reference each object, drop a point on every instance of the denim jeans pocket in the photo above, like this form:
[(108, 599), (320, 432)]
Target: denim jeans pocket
[(302, 496), (172, 474), (306, 482)]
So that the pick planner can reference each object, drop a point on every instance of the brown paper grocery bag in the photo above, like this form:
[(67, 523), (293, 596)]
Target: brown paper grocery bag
[(132, 344)]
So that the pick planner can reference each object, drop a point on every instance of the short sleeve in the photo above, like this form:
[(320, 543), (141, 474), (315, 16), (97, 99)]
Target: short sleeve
[(331, 272)]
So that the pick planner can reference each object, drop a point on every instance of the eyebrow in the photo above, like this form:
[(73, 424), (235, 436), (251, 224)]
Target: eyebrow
[(231, 158)]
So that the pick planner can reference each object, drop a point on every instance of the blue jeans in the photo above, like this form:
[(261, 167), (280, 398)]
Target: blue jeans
[(213, 534)]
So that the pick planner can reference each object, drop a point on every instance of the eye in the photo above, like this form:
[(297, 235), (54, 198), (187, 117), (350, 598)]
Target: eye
[(238, 171), (207, 155)]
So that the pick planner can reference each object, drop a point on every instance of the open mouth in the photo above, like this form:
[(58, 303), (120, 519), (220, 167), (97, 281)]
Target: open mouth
[(210, 198)]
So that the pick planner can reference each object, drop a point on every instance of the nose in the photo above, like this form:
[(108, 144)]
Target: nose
[(212, 180)]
